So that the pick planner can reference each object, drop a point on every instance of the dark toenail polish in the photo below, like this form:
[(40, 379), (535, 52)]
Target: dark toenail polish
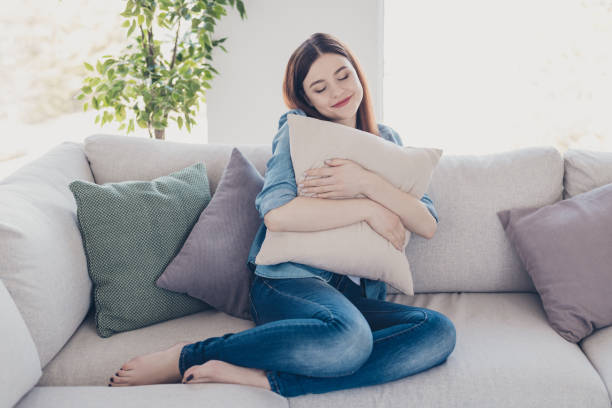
[(109, 385), (190, 377), (111, 379)]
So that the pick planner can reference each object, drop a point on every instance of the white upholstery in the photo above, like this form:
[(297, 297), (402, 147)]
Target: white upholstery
[(42, 261), (159, 395), (20, 363), (506, 354)]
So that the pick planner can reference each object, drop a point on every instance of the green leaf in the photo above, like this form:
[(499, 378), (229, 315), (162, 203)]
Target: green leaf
[(88, 66), (240, 7), (85, 107), (132, 27), (180, 122), (140, 19), (97, 119), (81, 96)]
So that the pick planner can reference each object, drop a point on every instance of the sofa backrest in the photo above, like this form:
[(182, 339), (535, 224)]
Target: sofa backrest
[(469, 251)]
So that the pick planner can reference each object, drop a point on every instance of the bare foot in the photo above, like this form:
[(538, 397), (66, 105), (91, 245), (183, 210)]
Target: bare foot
[(224, 372), (160, 367)]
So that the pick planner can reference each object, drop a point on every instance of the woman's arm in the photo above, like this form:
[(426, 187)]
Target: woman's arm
[(316, 214), (414, 214)]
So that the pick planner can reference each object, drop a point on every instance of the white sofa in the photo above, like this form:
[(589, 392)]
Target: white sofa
[(506, 353)]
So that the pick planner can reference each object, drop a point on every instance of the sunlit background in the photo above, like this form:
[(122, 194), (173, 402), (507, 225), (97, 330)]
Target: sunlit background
[(481, 76), (470, 77)]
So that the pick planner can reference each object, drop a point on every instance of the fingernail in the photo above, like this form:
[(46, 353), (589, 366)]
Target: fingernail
[(190, 377)]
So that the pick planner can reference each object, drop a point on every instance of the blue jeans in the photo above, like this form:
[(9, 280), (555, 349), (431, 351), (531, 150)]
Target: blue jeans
[(313, 336)]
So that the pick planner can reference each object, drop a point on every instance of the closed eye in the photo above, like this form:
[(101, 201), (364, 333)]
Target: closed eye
[(341, 79)]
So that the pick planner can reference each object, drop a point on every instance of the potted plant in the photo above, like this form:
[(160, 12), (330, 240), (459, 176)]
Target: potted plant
[(146, 88)]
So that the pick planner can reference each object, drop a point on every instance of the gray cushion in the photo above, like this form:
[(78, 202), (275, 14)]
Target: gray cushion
[(212, 264), (131, 230), (566, 250), (41, 252)]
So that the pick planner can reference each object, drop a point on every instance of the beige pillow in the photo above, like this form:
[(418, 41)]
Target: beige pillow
[(354, 249)]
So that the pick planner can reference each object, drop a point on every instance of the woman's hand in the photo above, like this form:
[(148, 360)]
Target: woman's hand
[(343, 178), (388, 225)]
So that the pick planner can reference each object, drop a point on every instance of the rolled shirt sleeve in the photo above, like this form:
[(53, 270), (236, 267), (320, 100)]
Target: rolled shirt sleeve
[(279, 181)]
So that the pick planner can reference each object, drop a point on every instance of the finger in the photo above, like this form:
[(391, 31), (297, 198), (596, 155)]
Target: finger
[(321, 172), (328, 188), (188, 372), (330, 194), (318, 181)]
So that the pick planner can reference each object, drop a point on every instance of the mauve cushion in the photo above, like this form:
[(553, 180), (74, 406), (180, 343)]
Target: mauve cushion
[(212, 264), (566, 249)]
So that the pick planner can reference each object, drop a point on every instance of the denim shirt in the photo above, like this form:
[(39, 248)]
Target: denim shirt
[(279, 188)]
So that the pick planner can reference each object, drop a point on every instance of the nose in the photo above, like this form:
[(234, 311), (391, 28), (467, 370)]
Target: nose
[(337, 92)]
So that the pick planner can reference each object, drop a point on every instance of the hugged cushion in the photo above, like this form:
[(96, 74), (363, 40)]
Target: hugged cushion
[(354, 249), (131, 230), (565, 248), (212, 266)]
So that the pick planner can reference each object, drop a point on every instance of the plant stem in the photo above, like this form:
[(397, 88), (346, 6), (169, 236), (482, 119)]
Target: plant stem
[(175, 43)]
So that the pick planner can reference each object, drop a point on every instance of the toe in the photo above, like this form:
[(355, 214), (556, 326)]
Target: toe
[(118, 380)]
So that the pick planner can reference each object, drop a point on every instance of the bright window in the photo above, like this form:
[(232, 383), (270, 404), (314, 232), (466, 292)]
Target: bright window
[(482, 76)]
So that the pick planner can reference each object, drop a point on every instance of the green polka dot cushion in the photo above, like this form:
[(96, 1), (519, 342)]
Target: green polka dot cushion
[(131, 230)]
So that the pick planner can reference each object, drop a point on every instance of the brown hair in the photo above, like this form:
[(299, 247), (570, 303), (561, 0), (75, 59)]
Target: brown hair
[(299, 65)]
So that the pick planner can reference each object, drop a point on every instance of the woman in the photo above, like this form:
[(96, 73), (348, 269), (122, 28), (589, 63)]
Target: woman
[(317, 331)]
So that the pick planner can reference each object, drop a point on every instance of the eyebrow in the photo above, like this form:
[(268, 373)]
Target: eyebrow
[(321, 80)]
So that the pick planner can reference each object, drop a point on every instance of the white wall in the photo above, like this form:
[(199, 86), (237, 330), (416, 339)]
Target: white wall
[(245, 101)]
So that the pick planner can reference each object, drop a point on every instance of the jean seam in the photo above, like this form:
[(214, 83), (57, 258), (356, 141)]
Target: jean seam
[(274, 383), (300, 299), (406, 330), (254, 308), (182, 361)]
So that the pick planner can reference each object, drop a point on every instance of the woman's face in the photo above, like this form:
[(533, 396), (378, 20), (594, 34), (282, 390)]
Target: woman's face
[(330, 80)]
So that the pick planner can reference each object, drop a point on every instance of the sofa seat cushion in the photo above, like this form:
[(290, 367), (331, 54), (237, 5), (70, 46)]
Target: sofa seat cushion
[(211, 395), (598, 348), (506, 355), (88, 359)]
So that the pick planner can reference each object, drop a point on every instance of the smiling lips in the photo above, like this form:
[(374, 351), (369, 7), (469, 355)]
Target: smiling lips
[(342, 103)]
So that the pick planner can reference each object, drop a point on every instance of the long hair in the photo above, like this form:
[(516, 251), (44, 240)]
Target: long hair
[(299, 65)]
